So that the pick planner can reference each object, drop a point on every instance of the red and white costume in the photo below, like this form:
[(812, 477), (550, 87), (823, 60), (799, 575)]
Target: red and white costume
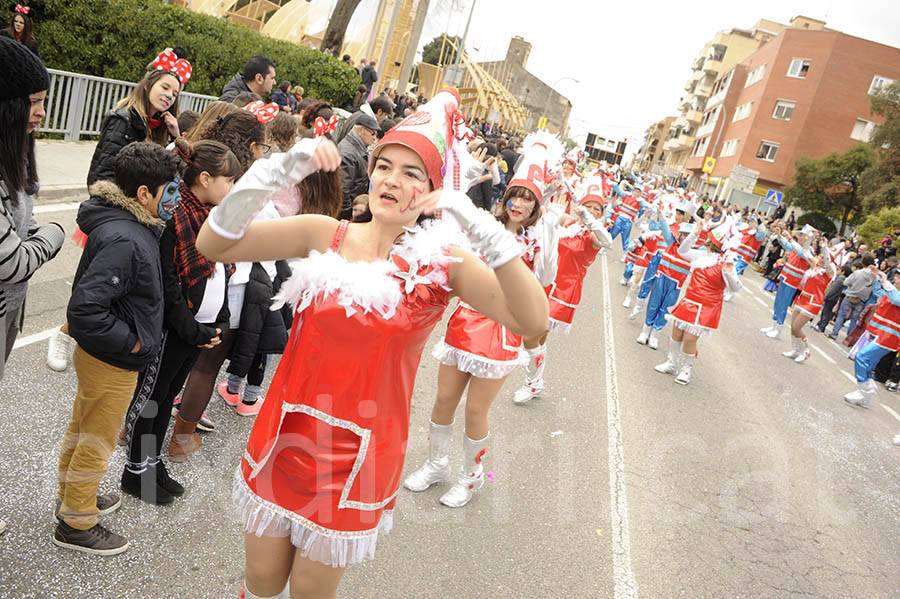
[(812, 290), (576, 254), (325, 455)]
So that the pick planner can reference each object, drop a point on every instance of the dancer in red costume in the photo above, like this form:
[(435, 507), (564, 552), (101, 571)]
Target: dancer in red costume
[(477, 351), (318, 481), (579, 243), (697, 314), (809, 303)]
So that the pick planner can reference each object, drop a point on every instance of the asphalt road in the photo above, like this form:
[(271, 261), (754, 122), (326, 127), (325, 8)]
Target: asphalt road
[(756, 480)]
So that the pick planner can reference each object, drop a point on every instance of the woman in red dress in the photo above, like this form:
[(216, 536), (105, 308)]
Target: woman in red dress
[(697, 314), (478, 352), (318, 481), (809, 303)]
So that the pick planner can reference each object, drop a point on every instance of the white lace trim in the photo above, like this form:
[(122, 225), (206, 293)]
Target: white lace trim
[(371, 286), (558, 326), (330, 547), (478, 366), (694, 329)]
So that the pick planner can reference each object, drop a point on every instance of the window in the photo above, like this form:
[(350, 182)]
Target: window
[(755, 75), (700, 146), (783, 110), (879, 83), (742, 112), (799, 68), (767, 151), (729, 148), (863, 130)]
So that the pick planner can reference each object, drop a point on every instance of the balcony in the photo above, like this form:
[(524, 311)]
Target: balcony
[(690, 85), (694, 116), (679, 144), (712, 66)]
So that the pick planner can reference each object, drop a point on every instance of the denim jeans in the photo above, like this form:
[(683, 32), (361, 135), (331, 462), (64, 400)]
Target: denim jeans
[(846, 311)]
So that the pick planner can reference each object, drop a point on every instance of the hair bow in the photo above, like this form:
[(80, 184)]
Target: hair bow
[(264, 112), (23, 9), (459, 127), (169, 61), (321, 127)]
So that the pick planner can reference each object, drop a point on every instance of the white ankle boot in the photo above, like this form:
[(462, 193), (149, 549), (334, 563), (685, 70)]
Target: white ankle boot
[(59, 351), (802, 351), (863, 395), (775, 331), (436, 468), (471, 474), (795, 348), (653, 340), (638, 308), (673, 361), (534, 375), (684, 373), (645, 334)]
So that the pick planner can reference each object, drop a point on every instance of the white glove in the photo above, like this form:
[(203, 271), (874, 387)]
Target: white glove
[(487, 235), (595, 226)]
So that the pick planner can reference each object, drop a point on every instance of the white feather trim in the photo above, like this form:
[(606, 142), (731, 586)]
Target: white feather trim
[(687, 327), (371, 286), (705, 260), (573, 230), (477, 366), (555, 149)]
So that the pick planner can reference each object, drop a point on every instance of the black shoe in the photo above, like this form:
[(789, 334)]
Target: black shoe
[(167, 482), (106, 504), (891, 386), (96, 540), (145, 487)]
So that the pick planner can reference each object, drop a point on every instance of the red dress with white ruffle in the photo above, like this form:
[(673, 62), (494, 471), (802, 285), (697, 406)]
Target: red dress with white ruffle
[(812, 292), (325, 455), (576, 254), (700, 309)]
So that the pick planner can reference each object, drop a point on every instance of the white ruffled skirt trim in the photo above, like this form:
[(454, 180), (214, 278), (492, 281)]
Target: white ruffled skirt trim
[(694, 329), (558, 326), (338, 549), (478, 366)]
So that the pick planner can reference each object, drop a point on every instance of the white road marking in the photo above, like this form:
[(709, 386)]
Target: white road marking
[(59, 207), (821, 353), (891, 412), (849, 376), (747, 289), (23, 341), (761, 303), (623, 574)]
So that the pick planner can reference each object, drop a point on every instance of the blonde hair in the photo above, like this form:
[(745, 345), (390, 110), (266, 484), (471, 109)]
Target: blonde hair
[(139, 101), (207, 121)]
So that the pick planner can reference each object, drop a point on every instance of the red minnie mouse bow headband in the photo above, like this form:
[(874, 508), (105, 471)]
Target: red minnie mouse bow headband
[(264, 112), (321, 127), (25, 10), (169, 61)]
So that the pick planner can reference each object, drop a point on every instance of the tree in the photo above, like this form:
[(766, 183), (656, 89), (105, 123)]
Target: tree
[(830, 185), (881, 183), (431, 53), (333, 39), (872, 231)]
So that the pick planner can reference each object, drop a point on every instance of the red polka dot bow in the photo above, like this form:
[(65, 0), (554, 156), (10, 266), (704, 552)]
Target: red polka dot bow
[(264, 112), (169, 61), (321, 126), (23, 9)]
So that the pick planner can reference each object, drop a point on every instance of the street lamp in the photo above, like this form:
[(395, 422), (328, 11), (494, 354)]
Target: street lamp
[(550, 95)]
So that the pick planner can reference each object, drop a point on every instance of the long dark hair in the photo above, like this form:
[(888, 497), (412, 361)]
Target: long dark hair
[(27, 37), (139, 101), (321, 192), (17, 167), (238, 130), (318, 108), (206, 156)]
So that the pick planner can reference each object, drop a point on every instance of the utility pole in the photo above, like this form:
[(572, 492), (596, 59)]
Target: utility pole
[(462, 44), (414, 37)]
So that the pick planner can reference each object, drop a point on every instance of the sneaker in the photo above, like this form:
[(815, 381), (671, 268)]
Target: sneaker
[(97, 540), (146, 487), (106, 504), (527, 392), (790, 354), (802, 357), (205, 424), (165, 481), (891, 386), (766, 330), (775, 333), (59, 351), (232, 399), (251, 409)]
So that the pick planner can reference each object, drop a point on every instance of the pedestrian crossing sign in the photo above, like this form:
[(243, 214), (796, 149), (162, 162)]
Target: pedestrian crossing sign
[(709, 164)]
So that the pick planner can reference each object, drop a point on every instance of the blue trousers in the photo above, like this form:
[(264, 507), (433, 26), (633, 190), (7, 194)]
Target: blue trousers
[(783, 298), (663, 296), (867, 359), (740, 266), (629, 270), (622, 227), (649, 276)]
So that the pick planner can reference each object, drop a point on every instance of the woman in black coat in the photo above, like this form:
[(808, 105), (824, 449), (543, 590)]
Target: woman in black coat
[(21, 28)]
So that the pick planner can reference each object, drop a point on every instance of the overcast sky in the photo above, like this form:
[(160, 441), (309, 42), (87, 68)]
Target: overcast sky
[(632, 58)]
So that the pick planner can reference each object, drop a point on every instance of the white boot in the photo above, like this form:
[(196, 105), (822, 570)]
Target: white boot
[(534, 375), (775, 333), (632, 291), (803, 351), (436, 468), (727, 296), (623, 281), (59, 351), (863, 395), (638, 308), (684, 374), (471, 473), (673, 360), (897, 439), (645, 334), (653, 341), (795, 348), (766, 330)]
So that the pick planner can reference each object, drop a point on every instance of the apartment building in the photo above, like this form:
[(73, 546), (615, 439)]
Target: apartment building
[(804, 93), (651, 152)]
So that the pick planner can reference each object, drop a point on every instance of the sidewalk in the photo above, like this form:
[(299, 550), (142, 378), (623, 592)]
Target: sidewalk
[(63, 168)]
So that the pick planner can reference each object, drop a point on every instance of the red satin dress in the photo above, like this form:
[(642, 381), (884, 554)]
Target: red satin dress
[(576, 254), (324, 458), (700, 309), (812, 292)]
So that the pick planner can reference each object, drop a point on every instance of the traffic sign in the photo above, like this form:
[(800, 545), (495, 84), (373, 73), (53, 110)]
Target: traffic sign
[(542, 123), (773, 198), (709, 164), (743, 179)]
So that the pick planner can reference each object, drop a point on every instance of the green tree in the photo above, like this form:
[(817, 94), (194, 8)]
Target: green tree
[(881, 183), (830, 185), (431, 53), (872, 231)]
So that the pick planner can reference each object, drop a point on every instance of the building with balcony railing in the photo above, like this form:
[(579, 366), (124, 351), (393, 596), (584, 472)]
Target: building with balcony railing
[(651, 151)]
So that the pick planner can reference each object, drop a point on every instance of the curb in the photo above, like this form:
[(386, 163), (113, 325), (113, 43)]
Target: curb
[(52, 193)]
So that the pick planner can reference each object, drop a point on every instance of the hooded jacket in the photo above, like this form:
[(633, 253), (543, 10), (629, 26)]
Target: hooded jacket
[(117, 294), (120, 128), (233, 88)]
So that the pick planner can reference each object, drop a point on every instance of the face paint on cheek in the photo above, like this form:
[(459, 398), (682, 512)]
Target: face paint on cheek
[(169, 200), (509, 204), (412, 202)]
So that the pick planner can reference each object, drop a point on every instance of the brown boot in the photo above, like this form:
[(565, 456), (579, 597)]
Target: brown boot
[(184, 440)]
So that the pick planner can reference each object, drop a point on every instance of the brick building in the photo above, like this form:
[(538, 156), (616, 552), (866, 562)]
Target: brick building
[(804, 93), (651, 153)]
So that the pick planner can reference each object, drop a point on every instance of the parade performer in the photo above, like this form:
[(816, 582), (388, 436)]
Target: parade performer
[(579, 243), (570, 179), (626, 212), (752, 238), (673, 271), (479, 352), (795, 266), (645, 249), (665, 213), (809, 303), (885, 328), (697, 314), (318, 481)]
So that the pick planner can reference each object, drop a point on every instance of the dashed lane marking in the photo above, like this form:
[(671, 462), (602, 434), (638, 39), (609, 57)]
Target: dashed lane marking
[(821, 353), (891, 412), (761, 303), (849, 376), (623, 575)]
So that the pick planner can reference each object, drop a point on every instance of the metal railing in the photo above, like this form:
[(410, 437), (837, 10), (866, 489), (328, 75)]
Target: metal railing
[(76, 103)]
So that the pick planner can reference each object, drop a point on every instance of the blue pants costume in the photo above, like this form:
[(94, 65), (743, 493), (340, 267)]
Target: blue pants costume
[(740, 266), (783, 298), (622, 227), (663, 296), (867, 359), (649, 276)]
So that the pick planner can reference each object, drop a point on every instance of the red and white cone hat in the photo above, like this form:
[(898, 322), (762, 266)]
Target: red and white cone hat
[(540, 162)]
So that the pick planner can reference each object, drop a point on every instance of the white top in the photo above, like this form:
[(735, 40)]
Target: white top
[(213, 297)]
